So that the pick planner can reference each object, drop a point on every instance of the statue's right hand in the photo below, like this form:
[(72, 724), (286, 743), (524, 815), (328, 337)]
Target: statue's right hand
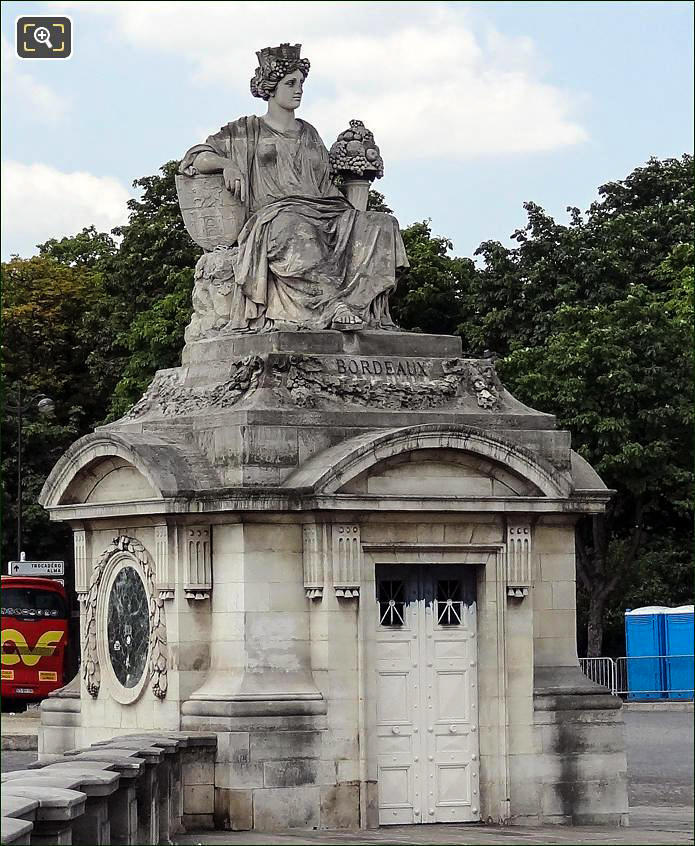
[(235, 182)]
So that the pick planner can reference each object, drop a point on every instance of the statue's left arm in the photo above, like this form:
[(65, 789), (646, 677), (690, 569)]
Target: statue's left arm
[(227, 151)]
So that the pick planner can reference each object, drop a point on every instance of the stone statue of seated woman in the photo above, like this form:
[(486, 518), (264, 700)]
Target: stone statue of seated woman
[(284, 247)]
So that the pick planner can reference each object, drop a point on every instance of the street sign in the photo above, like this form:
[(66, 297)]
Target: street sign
[(36, 568)]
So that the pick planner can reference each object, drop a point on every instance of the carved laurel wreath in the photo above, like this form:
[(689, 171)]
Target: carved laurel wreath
[(158, 634)]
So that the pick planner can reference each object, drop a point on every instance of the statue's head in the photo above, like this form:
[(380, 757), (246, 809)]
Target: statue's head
[(280, 75)]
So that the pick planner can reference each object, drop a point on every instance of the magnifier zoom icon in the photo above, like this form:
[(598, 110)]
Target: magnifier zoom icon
[(43, 36)]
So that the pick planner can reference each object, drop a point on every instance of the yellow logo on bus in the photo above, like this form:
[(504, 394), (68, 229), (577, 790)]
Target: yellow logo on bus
[(7, 675), (45, 645)]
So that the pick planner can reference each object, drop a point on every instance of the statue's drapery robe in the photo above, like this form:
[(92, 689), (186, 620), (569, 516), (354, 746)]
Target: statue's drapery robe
[(303, 249)]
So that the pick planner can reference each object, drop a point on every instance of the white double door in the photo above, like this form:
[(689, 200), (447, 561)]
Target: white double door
[(427, 703)]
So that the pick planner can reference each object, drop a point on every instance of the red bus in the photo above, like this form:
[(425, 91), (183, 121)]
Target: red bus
[(34, 637)]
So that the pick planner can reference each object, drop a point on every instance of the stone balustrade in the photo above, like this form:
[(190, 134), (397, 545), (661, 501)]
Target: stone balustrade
[(132, 789)]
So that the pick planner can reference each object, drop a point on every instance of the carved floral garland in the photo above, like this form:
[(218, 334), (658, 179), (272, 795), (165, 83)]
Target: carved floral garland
[(158, 634), (304, 381), (166, 395)]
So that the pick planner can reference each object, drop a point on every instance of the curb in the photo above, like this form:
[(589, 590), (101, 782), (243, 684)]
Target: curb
[(20, 743), (659, 706)]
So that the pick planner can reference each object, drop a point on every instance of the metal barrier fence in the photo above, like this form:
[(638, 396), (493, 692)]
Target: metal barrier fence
[(643, 677), (600, 670)]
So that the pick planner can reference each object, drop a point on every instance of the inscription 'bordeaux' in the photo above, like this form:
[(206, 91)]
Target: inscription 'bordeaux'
[(403, 367)]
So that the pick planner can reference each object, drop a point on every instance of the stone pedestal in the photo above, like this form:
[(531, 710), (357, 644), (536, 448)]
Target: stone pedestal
[(257, 492)]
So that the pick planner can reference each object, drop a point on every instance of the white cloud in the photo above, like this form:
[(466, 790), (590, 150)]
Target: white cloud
[(40, 202), (38, 101), (423, 78)]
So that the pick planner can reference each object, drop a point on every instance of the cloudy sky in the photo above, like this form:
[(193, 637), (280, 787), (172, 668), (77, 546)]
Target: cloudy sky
[(476, 106)]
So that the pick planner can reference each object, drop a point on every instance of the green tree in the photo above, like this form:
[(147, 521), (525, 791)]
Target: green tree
[(623, 238), (593, 322), (431, 293), (88, 248), (146, 290), (46, 336)]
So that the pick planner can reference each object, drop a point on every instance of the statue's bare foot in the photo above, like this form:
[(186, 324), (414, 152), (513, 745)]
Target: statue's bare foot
[(345, 321)]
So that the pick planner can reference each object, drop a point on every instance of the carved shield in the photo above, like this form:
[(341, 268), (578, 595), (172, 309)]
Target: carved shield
[(213, 217)]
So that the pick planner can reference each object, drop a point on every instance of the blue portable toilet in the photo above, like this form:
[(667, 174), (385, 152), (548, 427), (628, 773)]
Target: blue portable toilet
[(678, 640), (644, 639)]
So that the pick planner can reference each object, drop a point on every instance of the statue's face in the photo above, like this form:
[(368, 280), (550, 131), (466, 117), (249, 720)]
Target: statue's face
[(288, 94)]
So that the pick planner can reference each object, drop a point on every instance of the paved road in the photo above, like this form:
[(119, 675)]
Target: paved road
[(660, 757)]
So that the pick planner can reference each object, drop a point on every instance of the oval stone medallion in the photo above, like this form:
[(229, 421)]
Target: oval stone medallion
[(128, 626)]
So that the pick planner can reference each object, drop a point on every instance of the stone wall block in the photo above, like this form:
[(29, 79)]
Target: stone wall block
[(582, 737), (198, 798), (198, 772), (586, 798), (271, 445), (294, 772), (233, 809), (275, 809), (233, 746), (239, 776), (279, 745), (340, 806), (372, 810)]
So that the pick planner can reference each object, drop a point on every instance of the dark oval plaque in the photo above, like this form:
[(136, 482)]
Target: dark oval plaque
[(128, 627)]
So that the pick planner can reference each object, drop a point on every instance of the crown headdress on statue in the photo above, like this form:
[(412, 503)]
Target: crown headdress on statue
[(273, 64), (287, 52)]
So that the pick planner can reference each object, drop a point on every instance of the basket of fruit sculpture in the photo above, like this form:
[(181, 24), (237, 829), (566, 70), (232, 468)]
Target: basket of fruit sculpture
[(355, 155)]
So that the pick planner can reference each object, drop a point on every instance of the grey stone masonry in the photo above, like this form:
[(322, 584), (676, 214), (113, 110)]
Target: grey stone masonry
[(17, 832), (112, 794), (247, 411), (261, 491)]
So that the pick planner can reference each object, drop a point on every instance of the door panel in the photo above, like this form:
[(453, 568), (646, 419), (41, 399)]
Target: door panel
[(427, 742)]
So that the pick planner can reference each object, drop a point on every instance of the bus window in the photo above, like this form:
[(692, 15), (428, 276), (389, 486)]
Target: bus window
[(32, 604)]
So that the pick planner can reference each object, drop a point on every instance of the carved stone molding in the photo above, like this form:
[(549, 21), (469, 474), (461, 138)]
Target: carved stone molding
[(157, 647), (315, 550), (167, 395), (332, 551), (79, 539), (478, 378), (164, 561), (519, 575), (305, 381), (310, 381), (347, 560), (197, 579)]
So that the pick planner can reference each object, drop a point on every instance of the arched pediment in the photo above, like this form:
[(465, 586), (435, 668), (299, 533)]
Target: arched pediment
[(122, 467), (439, 472), (109, 479), (511, 469)]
